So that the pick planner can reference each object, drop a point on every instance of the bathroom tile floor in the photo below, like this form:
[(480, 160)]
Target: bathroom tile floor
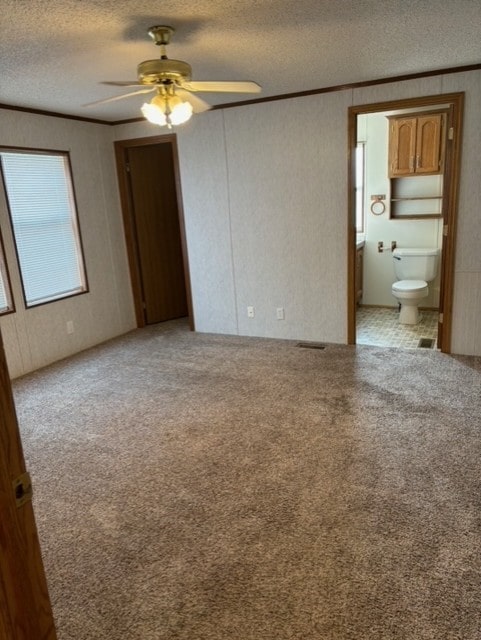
[(380, 327)]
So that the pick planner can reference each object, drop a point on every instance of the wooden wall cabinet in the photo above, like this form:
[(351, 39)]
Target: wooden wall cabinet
[(416, 144)]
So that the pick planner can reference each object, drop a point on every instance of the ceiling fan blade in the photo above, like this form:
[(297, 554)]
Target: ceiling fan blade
[(198, 105), (123, 83), (228, 87), (124, 95)]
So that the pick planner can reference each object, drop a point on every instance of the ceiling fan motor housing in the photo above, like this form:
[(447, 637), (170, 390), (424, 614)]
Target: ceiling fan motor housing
[(159, 71)]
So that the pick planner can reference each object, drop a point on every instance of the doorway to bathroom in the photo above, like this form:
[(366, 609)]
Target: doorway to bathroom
[(402, 194)]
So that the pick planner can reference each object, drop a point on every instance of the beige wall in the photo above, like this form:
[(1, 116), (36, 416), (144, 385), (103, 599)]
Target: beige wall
[(467, 280), (265, 202), (264, 190), (266, 216), (38, 336)]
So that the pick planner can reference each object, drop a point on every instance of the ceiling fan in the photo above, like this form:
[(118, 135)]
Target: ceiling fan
[(171, 80)]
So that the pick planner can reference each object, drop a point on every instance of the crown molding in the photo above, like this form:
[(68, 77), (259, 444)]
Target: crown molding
[(284, 96)]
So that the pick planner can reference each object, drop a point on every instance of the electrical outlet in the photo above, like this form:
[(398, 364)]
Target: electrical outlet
[(250, 312), (280, 313), (70, 327)]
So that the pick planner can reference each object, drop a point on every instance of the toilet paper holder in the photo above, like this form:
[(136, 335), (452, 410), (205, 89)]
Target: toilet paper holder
[(381, 248)]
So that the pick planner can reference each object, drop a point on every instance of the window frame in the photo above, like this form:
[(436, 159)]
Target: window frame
[(5, 276), (77, 234)]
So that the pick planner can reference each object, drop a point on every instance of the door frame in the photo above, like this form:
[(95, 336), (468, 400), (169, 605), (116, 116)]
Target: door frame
[(455, 102), (121, 149)]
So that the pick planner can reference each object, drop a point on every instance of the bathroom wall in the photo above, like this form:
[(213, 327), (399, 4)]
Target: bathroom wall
[(378, 267)]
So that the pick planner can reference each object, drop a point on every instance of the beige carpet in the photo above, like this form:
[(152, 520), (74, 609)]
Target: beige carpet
[(201, 487)]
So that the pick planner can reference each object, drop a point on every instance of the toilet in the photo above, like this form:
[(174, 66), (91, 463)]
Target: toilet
[(413, 268)]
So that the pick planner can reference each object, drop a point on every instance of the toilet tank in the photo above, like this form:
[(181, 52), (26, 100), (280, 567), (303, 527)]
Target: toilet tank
[(416, 264)]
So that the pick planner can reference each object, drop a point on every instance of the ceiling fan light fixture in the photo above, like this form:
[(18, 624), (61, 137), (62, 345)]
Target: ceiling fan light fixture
[(171, 79), (180, 111), (153, 114), (167, 110)]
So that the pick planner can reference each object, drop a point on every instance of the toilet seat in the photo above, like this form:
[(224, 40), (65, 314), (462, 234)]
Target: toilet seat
[(410, 289)]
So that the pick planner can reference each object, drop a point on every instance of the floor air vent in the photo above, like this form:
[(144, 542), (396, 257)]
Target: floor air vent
[(311, 345), (426, 343)]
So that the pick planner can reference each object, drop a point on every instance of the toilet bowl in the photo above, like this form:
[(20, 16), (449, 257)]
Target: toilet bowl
[(409, 294), (414, 268)]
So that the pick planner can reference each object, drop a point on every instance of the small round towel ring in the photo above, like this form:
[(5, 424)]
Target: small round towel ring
[(378, 207)]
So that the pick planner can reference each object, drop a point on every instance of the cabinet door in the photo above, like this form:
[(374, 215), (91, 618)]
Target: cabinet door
[(428, 144), (402, 146)]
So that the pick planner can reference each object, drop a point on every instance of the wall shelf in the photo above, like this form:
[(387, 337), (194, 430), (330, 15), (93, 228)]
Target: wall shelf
[(416, 197)]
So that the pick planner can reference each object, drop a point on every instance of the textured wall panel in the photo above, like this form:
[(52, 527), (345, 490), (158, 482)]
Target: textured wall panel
[(468, 254), (205, 189), (119, 268), (398, 90), (287, 167), (38, 336), (14, 336), (467, 316), (466, 336)]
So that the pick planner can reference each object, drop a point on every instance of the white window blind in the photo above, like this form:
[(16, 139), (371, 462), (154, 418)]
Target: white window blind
[(44, 222)]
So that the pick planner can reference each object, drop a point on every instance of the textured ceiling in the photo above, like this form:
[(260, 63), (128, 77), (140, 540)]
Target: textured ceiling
[(55, 53)]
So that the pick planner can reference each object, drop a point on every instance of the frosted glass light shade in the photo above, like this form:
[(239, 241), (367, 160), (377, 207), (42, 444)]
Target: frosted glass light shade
[(167, 110)]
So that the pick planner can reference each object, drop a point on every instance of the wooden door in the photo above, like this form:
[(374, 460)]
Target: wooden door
[(155, 215), (428, 144), (25, 611)]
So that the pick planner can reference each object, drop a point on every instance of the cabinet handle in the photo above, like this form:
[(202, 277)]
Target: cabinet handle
[(418, 162), (411, 164)]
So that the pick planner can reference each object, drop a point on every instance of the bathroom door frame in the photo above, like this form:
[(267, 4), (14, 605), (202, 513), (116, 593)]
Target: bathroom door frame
[(455, 104)]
